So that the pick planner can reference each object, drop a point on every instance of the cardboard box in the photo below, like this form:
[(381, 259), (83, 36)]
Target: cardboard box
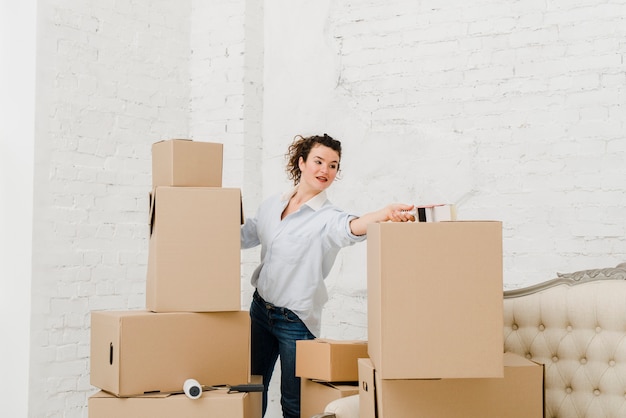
[(213, 404), (183, 162), (435, 306), (135, 352), (316, 395), (194, 257), (519, 394), (329, 360)]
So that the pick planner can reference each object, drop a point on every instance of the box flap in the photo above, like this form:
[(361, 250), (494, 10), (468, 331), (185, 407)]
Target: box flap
[(340, 342), (340, 386), (241, 207), (152, 208), (511, 359), (173, 139)]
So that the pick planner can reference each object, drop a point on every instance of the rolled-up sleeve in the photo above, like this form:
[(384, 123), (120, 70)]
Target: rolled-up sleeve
[(340, 235)]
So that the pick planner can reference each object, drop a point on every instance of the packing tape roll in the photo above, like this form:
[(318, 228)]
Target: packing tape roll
[(192, 388)]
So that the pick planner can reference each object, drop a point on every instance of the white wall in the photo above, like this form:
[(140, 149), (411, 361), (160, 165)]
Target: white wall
[(227, 44), (227, 96), (17, 107), (512, 110), (113, 78), (515, 111)]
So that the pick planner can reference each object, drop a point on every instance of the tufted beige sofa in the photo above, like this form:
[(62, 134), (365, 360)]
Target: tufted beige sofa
[(575, 325)]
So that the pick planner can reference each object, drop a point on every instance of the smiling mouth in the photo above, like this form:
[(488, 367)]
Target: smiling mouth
[(323, 179)]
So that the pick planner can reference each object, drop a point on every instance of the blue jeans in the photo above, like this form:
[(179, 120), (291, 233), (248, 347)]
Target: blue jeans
[(275, 331)]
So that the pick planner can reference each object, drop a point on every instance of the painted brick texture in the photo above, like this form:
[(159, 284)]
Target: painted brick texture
[(112, 79), (514, 111)]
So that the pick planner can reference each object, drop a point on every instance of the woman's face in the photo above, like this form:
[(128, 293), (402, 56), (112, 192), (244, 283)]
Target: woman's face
[(320, 168)]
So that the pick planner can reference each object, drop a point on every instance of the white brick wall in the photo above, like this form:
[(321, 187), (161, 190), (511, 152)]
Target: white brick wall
[(227, 103), (113, 79), (513, 110), (517, 104)]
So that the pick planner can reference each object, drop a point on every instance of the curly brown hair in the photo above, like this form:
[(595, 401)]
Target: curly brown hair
[(301, 147)]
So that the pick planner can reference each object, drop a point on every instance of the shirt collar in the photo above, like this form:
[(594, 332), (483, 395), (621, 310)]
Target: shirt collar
[(315, 203)]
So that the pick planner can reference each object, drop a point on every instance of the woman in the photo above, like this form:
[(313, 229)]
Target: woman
[(300, 234)]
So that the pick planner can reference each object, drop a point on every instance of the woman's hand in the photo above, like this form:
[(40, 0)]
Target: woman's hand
[(398, 212), (395, 212)]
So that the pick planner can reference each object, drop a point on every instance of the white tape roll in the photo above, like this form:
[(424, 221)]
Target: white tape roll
[(192, 388)]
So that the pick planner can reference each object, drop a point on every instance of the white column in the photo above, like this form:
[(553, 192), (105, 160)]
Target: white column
[(17, 109)]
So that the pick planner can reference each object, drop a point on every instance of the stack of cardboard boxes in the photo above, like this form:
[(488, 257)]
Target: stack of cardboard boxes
[(193, 326), (328, 371), (435, 325)]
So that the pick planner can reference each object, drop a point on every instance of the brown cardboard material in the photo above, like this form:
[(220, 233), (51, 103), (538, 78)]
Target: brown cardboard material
[(135, 352), (183, 162), (194, 256), (329, 360), (519, 394), (435, 299), (213, 404), (316, 395)]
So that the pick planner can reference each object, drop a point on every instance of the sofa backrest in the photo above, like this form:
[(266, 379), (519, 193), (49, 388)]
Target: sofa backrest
[(576, 326)]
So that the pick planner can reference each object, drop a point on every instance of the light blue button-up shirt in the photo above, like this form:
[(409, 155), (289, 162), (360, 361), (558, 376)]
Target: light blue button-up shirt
[(297, 252)]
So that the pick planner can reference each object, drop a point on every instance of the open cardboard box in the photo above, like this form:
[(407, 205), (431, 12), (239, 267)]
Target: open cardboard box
[(315, 395), (194, 258)]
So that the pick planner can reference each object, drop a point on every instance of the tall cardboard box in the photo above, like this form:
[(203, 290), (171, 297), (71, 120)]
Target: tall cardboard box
[(135, 352), (519, 394), (194, 255), (213, 404), (315, 395), (435, 299), (329, 360), (183, 162)]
